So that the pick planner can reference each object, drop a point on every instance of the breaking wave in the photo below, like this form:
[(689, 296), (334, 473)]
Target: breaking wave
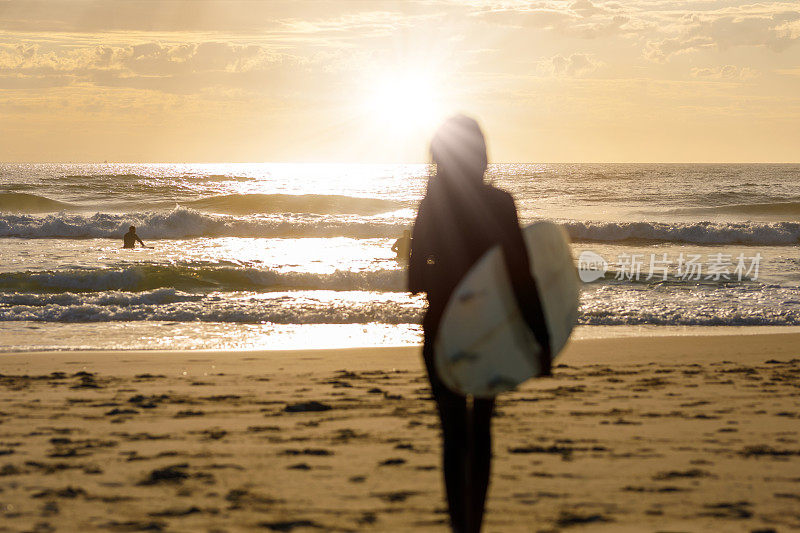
[(182, 222), (173, 306), (248, 204), (147, 277), (736, 318), (768, 234)]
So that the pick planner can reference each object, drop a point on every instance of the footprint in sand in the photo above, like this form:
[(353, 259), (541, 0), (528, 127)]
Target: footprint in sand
[(308, 451), (134, 525), (568, 518), (188, 413), (737, 510), (305, 407), (289, 525), (396, 496), (692, 473), (175, 512), (170, 474)]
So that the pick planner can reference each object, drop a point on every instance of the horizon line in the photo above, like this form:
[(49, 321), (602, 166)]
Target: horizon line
[(395, 163)]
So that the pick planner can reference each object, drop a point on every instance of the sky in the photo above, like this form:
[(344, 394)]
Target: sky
[(367, 81)]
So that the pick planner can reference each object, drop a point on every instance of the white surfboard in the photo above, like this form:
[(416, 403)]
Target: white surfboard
[(484, 347)]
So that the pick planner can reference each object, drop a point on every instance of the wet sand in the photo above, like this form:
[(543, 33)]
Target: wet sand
[(635, 434)]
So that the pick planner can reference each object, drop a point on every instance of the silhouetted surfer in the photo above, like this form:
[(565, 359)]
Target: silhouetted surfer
[(130, 239), (402, 246), (459, 219)]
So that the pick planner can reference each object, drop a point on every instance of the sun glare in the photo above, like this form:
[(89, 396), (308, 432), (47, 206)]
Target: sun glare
[(405, 103)]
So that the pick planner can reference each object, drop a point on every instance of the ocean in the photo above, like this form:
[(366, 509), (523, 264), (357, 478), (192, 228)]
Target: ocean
[(280, 256)]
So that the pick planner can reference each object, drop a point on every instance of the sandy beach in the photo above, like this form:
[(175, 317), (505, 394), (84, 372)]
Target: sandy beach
[(638, 434)]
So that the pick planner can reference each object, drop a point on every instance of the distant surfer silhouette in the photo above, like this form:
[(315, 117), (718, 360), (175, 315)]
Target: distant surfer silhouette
[(402, 246), (459, 219), (130, 239)]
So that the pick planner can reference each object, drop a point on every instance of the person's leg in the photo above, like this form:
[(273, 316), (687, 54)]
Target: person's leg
[(452, 413), (481, 461)]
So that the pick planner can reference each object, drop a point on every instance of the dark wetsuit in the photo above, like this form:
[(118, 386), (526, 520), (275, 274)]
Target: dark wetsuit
[(402, 247), (455, 226), (129, 240)]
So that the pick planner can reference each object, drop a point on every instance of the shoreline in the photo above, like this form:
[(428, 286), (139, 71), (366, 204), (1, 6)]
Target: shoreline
[(609, 350), (580, 333)]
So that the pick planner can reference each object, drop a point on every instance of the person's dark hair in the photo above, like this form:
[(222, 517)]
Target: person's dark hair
[(459, 149), (132, 228)]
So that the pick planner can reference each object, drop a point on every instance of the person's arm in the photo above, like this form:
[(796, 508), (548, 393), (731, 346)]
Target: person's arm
[(418, 266), (524, 285), (394, 246), (140, 242)]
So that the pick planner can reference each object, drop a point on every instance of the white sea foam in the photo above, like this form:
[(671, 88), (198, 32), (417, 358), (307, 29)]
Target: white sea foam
[(182, 222), (687, 304), (176, 307), (151, 276), (107, 298), (751, 233), (772, 306)]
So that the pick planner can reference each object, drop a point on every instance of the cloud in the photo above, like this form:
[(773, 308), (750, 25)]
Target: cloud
[(585, 8), (662, 50), (574, 65), (229, 16), (580, 18), (726, 72), (750, 31), (146, 15), (152, 65), (165, 60), (365, 22), (775, 31), (664, 28)]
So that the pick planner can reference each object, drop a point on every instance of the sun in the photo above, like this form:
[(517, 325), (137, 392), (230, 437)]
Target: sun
[(405, 102)]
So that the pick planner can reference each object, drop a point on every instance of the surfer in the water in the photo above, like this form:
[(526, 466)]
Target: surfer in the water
[(402, 246), (130, 239), (459, 219)]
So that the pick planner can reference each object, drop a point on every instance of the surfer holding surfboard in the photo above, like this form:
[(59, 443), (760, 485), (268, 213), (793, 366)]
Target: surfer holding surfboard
[(459, 220)]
